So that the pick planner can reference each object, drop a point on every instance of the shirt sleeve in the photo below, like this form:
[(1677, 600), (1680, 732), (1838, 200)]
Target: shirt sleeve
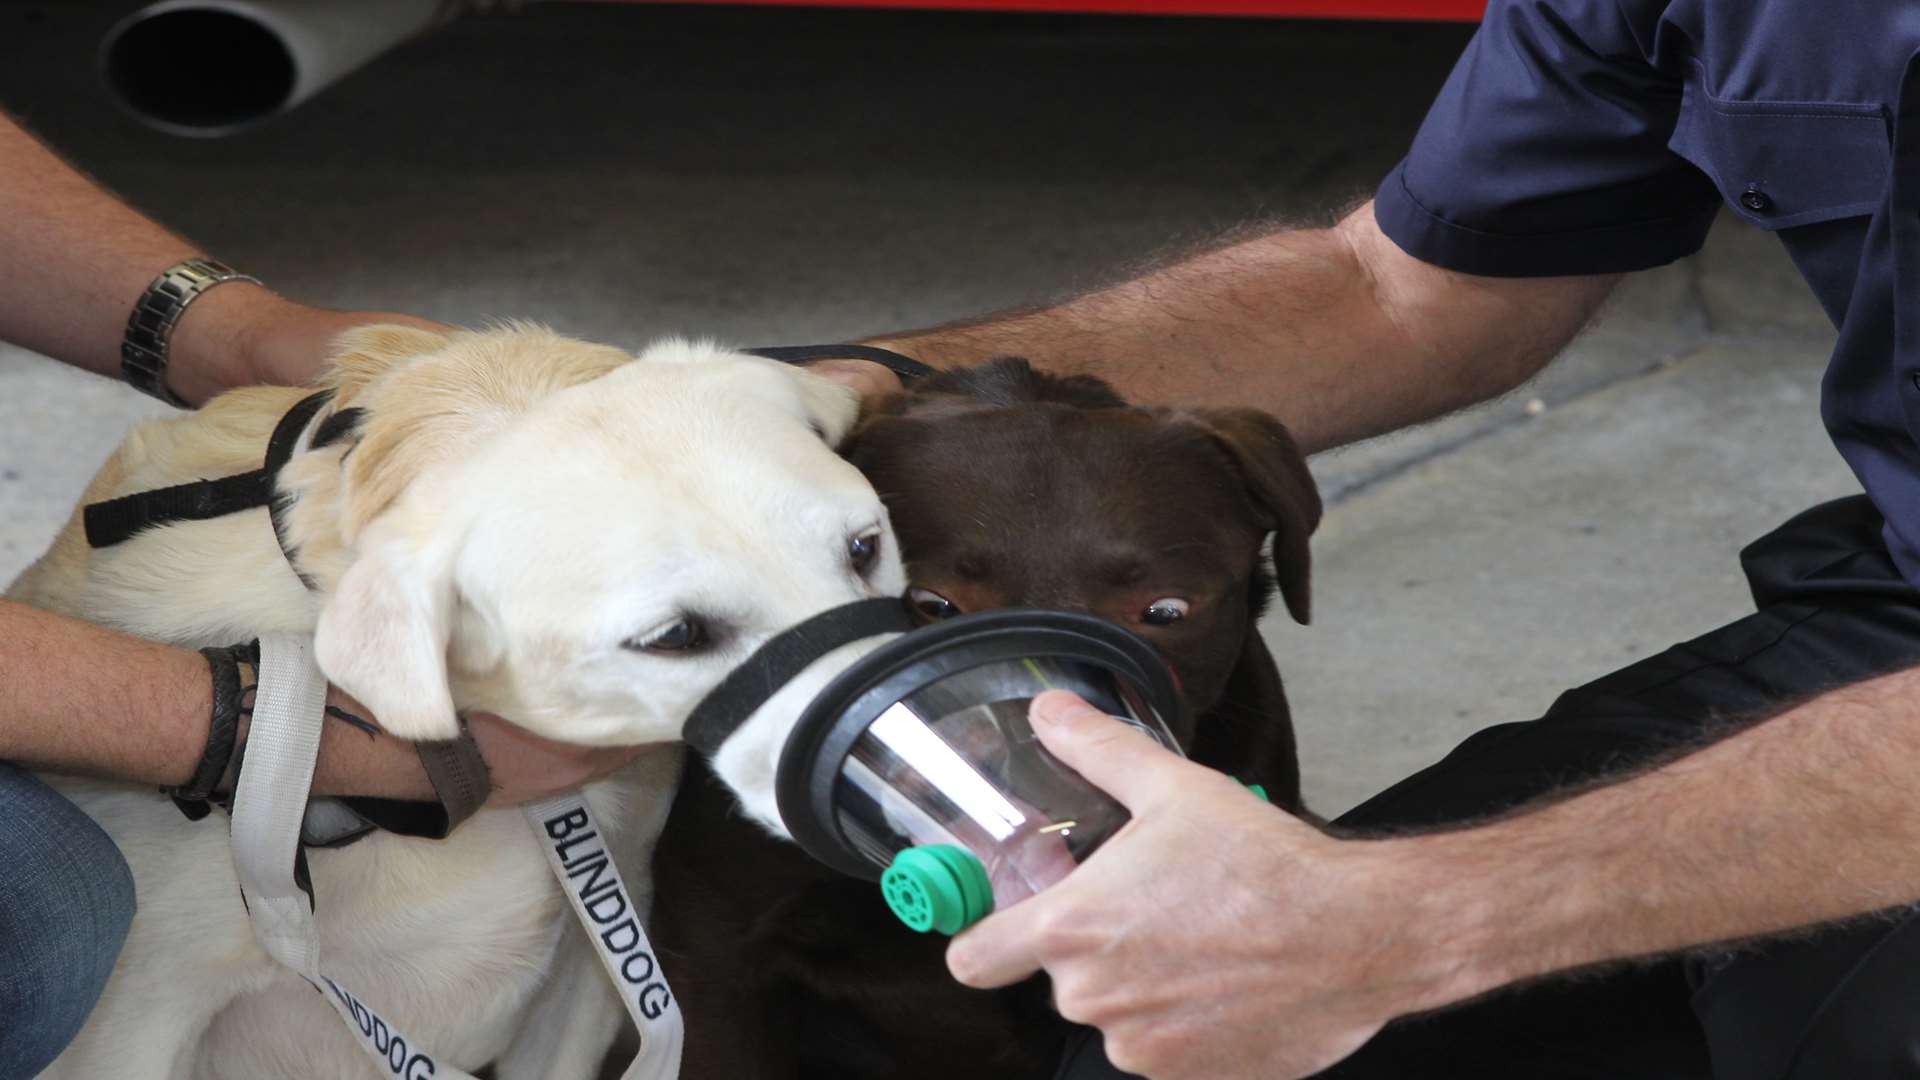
[(1546, 151)]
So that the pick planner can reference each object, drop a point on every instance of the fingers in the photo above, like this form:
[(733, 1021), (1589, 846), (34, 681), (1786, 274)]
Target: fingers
[(1114, 756), (1000, 950), (872, 381)]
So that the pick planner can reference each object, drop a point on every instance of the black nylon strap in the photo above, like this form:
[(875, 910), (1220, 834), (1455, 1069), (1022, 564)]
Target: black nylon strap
[(402, 817), (223, 724), (458, 774), (286, 435), (784, 656), (116, 520), (108, 523), (904, 366)]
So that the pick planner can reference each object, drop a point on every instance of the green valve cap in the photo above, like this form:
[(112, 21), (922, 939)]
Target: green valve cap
[(938, 887)]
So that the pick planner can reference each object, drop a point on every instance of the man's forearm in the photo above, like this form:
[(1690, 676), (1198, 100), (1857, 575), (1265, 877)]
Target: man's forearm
[(80, 698), (1805, 818), (1336, 331), (78, 259)]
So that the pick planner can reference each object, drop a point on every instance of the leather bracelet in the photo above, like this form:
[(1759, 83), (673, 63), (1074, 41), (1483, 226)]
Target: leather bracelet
[(149, 337), (456, 770), (223, 723), (248, 658)]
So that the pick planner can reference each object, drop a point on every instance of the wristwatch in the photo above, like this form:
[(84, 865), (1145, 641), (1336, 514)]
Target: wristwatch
[(143, 352)]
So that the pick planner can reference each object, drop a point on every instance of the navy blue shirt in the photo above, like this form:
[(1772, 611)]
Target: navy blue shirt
[(1599, 136)]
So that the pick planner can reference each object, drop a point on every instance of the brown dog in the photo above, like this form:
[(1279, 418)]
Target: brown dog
[(1006, 487)]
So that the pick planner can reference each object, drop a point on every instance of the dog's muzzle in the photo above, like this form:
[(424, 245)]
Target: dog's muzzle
[(917, 764)]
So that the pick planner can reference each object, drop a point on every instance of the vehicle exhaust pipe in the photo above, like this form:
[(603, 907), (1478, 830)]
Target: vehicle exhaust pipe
[(213, 67)]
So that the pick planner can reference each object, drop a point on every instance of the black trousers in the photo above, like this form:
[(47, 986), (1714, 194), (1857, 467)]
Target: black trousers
[(1841, 1004)]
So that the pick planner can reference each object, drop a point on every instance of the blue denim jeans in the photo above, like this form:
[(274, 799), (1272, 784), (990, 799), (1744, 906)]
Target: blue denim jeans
[(66, 901)]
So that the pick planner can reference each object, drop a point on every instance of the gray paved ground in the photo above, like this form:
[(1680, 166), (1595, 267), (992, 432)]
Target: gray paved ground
[(762, 176)]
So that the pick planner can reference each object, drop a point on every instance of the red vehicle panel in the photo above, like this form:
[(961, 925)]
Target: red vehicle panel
[(1426, 10)]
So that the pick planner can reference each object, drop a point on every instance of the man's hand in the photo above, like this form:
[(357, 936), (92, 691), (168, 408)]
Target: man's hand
[(1214, 936), (524, 766), (240, 334), (875, 382)]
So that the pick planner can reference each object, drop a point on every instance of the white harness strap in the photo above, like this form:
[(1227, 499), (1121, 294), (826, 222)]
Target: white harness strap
[(577, 852), (271, 800), (268, 805)]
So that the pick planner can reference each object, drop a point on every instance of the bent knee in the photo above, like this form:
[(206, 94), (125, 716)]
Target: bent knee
[(1838, 1004), (66, 904)]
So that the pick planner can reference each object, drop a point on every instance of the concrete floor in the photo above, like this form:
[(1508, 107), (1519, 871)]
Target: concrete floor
[(762, 176)]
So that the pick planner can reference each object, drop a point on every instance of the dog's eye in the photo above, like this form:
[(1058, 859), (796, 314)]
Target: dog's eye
[(682, 635), (1164, 612), (862, 550), (931, 605)]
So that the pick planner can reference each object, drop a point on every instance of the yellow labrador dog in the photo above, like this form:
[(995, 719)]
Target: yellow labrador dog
[(512, 521)]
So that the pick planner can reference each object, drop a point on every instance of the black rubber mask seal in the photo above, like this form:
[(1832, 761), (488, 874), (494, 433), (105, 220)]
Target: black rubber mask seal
[(820, 742)]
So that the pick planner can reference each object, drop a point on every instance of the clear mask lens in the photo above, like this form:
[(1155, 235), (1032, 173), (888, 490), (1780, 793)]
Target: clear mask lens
[(917, 763), (957, 763)]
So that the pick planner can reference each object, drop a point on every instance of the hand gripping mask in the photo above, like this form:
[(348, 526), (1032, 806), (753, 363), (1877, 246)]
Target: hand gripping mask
[(917, 764)]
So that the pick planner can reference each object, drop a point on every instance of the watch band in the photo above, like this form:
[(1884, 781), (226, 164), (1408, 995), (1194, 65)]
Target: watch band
[(143, 352)]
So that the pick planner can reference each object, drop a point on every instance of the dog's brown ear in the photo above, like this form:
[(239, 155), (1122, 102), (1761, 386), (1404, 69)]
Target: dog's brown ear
[(1248, 734), (1282, 490), (383, 638)]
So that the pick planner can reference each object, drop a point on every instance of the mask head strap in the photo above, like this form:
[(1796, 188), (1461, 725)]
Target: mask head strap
[(784, 657), (906, 367)]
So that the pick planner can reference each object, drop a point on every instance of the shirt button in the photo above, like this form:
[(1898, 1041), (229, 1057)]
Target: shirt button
[(1756, 200)]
